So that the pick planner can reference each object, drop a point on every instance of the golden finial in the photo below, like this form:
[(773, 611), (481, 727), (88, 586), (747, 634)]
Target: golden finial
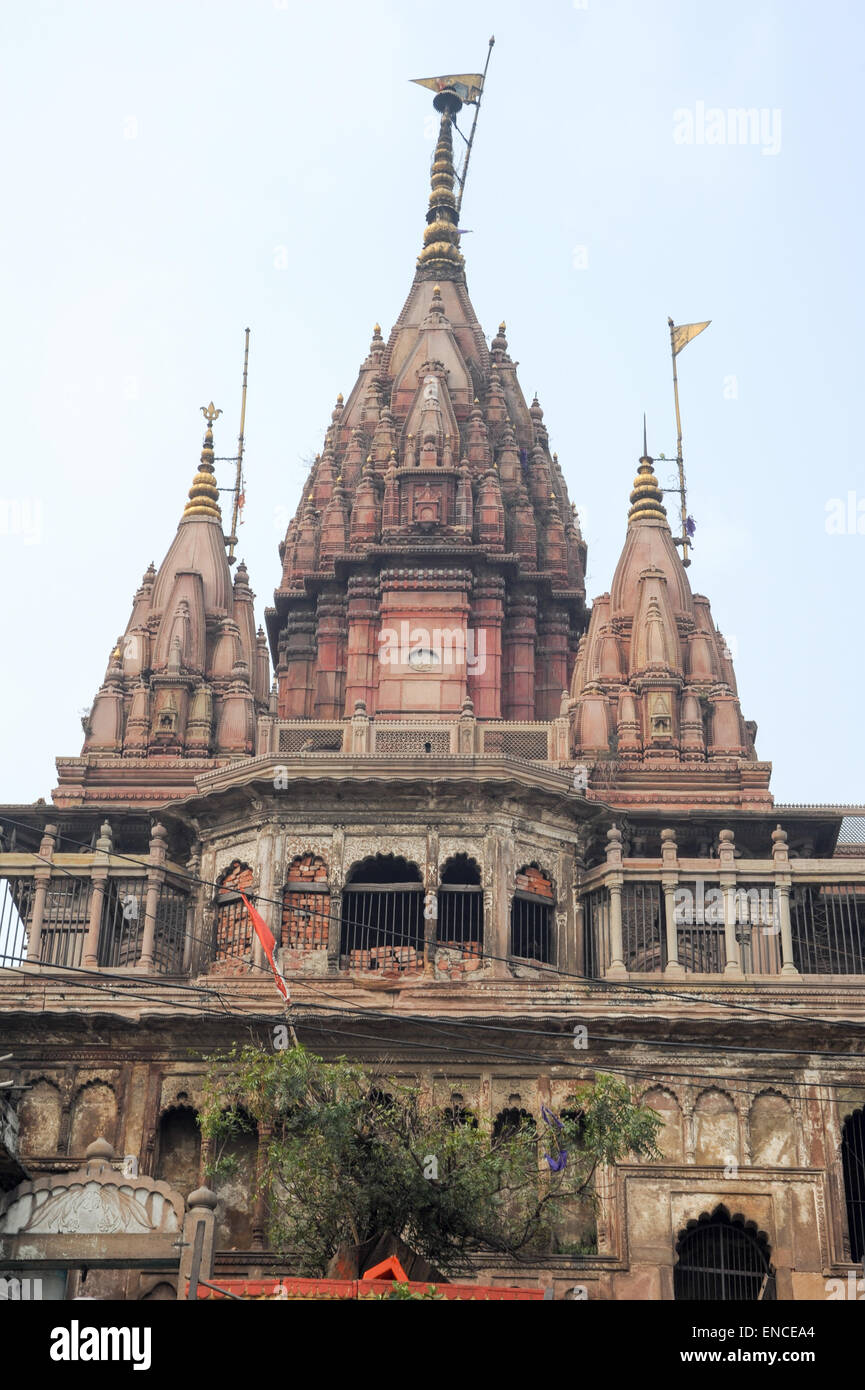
[(204, 494), (376, 328), (647, 497)]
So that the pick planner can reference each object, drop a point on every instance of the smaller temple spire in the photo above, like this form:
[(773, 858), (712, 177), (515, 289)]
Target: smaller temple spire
[(204, 494)]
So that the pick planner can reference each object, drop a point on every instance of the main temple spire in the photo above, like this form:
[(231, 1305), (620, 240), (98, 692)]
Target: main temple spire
[(440, 257)]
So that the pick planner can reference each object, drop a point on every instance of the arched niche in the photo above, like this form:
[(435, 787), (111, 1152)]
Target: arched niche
[(772, 1129), (94, 1116), (670, 1139), (716, 1128), (39, 1118)]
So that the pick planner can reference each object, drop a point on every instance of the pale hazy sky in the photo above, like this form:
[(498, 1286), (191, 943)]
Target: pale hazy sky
[(176, 171)]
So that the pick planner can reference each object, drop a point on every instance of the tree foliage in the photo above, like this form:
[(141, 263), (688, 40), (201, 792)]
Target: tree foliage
[(346, 1157)]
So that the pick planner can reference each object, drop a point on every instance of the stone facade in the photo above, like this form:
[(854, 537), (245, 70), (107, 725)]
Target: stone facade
[(466, 802)]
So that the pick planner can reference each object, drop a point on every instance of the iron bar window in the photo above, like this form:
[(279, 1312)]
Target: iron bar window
[(382, 925), (853, 1165), (722, 1259), (828, 928)]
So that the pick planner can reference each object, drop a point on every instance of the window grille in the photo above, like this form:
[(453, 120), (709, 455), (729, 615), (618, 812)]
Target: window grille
[(853, 1165), (722, 1259), (382, 924), (828, 927)]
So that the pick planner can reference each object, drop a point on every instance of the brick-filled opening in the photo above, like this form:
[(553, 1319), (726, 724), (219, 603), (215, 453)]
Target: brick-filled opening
[(306, 904), (233, 929), (532, 915)]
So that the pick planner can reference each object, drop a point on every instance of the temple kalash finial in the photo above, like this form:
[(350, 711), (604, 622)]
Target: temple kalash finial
[(647, 497), (440, 257), (204, 494)]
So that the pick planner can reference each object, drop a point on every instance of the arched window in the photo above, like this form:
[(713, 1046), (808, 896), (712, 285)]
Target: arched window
[(510, 1121), (853, 1163), (460, 923), (178, 1148), (306, 904), (233, 936), (382, 916), (532, 915), (723, 1259)]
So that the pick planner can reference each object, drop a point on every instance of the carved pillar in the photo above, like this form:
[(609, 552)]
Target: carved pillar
[(99, 876), (552, 663), (431, 875), (783, 882), (670, 881), (42, 875), (484, 647), (336, 878), (615, 880), (497, 929), (199, 1227), (566, 944), (727, 880), (297, 663), (155, 880), (330, 665), (361, 662), (519, 657), (689, 1131), (269, 894), (259, 1215)]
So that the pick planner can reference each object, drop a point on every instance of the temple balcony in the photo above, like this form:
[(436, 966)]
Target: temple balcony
[(732, 917), (413, 736)]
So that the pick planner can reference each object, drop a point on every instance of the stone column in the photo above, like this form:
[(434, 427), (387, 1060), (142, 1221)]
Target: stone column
[(335, 877), (201, 1212), (361, 663), (430, 900), (484, 649), (727, 881), (567, 948), (297, 662), (519, 658), (155, 880), (497, 929), (99, 876), (614, 882), (670, 881), (783, 882), (330, 666), (552, 665), (267, 891), (42, 875)]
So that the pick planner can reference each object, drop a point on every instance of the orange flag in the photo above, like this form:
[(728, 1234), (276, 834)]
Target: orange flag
[(268, 942)]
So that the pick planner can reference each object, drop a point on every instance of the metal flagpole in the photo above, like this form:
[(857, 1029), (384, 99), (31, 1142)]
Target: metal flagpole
[(680, 461), (474, 124), (232, 539)]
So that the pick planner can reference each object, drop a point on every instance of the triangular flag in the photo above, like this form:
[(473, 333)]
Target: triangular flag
[(268, 942), (684, 332), (467, 85)]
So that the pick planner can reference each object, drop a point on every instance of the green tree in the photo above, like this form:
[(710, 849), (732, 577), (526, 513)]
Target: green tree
[(347, 1157)]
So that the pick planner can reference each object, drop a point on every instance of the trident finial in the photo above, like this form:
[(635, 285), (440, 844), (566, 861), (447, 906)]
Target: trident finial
[(210, 413)]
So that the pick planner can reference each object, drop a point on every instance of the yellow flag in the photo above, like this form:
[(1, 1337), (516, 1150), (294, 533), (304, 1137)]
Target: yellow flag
[(683, 334), (468, 85)]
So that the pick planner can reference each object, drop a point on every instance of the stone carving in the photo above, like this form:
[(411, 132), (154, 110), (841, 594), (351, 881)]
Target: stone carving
[(94, 1200)]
